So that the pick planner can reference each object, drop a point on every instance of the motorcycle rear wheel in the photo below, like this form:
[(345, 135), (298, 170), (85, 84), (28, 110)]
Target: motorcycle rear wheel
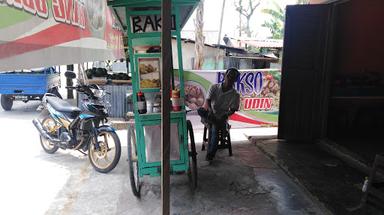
[(109, 145), (47, 145)]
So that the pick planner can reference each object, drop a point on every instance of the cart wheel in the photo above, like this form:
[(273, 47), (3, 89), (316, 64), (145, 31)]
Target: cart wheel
[(192, 171), (133, 162)]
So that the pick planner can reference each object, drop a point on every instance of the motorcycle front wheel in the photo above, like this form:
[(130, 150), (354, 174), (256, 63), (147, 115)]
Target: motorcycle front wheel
[(48, 147), (104, 153)]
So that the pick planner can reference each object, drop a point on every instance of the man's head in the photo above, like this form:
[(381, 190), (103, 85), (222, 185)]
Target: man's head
[(231, 76)]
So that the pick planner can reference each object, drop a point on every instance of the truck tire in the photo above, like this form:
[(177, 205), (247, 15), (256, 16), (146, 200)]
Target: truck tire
[(55, 91), (6, 102)]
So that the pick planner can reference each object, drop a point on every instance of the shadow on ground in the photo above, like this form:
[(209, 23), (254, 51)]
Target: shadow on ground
[(331, 181)]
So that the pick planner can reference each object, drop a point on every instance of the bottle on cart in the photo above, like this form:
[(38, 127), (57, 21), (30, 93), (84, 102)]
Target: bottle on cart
[(141, 103), (175, 98)]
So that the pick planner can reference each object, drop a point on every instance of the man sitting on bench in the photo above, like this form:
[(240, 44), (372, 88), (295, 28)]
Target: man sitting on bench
[(221, 102)]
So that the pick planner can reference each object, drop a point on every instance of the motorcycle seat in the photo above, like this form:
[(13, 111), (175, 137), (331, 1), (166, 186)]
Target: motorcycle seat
[(63, 106)]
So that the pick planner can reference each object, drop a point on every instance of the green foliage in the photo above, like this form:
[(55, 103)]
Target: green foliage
[(253, 49), (276, 28), (276, 21), (302, 1)]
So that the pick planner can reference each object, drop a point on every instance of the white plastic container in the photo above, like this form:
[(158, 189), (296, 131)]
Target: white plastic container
[(149, 107), (156, 108)]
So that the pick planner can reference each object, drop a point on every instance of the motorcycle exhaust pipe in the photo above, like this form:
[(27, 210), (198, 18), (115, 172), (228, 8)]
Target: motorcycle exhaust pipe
[(43, 133)]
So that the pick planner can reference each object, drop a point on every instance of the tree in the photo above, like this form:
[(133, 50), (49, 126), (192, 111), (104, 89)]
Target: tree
[(276, 21), (199, 37), (246, 11), (302, 1)]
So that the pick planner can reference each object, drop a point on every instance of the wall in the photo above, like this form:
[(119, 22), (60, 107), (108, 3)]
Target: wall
[(360, 40), (357, 93), (189, 54)]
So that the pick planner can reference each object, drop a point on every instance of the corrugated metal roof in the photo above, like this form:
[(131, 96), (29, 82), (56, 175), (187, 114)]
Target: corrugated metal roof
[(267, 43)]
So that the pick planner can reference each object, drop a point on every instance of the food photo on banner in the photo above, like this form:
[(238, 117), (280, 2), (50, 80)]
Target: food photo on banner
[(259, 91)]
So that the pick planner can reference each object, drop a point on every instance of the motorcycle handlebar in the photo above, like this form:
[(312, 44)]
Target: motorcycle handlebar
[(84, 89), (78, 88)]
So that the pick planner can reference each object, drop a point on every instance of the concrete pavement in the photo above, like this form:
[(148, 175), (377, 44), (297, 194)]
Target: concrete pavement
[(33, 182)]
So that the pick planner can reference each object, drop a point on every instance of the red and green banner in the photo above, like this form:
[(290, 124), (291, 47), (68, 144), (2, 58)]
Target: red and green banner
[(259, 91), (37, 33)]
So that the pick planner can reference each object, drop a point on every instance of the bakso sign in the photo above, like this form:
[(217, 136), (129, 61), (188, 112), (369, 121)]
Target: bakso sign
[(251, 87), (150, 23), (247, 84)]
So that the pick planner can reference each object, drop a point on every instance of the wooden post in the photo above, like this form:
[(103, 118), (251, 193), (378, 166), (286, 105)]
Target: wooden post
[(166, 57), (219, 37), (199, 36)]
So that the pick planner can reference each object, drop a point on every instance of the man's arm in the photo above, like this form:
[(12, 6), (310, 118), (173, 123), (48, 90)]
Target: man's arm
[(235, 105), (207, 102)]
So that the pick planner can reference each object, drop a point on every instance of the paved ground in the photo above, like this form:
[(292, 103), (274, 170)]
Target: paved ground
[(33, 182), (330, 180)]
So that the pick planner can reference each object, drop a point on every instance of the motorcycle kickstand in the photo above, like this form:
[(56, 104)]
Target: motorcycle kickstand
[(82, 152)]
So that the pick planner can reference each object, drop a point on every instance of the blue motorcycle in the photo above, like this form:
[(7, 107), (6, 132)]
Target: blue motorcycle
[(64, 126)]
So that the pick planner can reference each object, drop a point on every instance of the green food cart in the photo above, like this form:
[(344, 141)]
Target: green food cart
[(142, 19)]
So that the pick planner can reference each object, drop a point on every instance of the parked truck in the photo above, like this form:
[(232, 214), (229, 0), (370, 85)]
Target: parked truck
[(26, 85)]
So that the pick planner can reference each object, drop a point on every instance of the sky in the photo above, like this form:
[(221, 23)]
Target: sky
[(212, 13)]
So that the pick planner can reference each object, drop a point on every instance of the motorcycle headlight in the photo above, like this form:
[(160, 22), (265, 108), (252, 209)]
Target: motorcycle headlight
[(98, 93)]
